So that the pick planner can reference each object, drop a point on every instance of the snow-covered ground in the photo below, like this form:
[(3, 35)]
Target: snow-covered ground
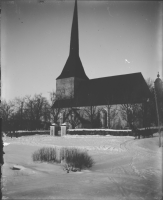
[(5, 143), (124, 169)]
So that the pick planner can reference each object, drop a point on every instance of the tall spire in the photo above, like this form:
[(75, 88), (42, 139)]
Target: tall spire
[(73, 66), (74, 41)]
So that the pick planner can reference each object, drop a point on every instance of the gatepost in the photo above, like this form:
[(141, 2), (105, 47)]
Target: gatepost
[(53, 129), (63, 129)]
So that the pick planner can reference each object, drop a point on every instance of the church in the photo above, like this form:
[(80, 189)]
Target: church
[(74, 89)]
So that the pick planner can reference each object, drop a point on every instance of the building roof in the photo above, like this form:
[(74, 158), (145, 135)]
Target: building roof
[(121, 89), (73, 66)]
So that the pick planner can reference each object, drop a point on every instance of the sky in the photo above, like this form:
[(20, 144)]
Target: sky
[(115, 37)]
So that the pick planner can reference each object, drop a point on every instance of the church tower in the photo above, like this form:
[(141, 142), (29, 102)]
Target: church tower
[(73, 72)]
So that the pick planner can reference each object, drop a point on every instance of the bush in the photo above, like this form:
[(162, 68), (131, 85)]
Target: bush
[(74, 158), (45, 154)]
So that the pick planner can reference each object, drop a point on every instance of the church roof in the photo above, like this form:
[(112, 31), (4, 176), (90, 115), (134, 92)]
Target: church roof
[(121, 89), (128, 88), (73, 66)]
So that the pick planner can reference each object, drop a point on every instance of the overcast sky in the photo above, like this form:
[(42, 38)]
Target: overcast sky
[(115, 37)]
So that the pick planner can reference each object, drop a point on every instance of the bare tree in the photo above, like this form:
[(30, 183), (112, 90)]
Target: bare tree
[(19, 105), (147, 110), (112, 111), (6, 112), (35, 111), (92, 113), (130, 113), (72, 114), (73, 117), (55, 111)]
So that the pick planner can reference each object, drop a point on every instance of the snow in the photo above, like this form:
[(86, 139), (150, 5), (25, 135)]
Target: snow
[(5, 143), (124, 168)]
